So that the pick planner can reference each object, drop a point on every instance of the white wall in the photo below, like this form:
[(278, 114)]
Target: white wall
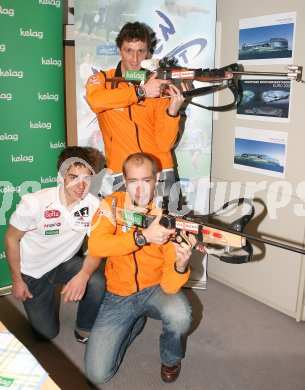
[(276, 277)]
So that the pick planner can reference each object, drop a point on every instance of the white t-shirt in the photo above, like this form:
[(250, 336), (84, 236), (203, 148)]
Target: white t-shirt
[(53, 233)]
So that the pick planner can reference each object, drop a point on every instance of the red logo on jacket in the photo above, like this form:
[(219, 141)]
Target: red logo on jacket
[(52, 214)]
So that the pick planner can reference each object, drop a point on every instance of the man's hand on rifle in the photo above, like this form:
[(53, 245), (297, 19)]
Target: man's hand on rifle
[(157, 234), (154, 87), (183, 253), (177, 98)]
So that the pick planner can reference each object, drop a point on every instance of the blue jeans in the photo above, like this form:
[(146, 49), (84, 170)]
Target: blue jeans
[(41, 309), (121, 319)]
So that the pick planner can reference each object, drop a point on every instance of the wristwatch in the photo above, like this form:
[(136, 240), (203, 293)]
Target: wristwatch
[(139, 238), (141, 93)]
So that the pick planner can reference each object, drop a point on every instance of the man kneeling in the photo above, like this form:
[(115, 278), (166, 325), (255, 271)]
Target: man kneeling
[(144, 272)]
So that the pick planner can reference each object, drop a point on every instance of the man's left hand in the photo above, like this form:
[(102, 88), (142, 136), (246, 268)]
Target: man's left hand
[(177, 98), (183, 253), (75, 289)]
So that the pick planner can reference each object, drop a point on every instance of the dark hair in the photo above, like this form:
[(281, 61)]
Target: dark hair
[(138, 159), (133, 32), (79, 155)]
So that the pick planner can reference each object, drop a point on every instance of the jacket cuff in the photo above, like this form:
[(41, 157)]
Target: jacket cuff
[(179, 272), (172, 116)]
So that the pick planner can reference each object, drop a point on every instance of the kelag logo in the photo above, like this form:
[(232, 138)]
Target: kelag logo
[(7, 11), (50, 62), (40, 125), (9, 188), (8, 137), (49, 179), (22, 158), (56, 3), (31, 33), (6, 96), (57, 145), (135, 75), (48, 96), (11, 73)]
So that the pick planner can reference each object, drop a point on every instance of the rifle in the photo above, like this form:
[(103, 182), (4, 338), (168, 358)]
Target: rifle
[(226, 244), (218, 79), (229, 244)]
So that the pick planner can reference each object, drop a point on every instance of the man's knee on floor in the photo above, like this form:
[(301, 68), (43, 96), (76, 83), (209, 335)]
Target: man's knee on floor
[(44, 335), (97, 374)]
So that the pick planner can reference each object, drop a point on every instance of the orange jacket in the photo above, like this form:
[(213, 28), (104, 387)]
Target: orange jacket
[(128, 268), (129, 126)]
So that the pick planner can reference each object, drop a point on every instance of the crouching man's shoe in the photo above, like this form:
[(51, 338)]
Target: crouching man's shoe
[(81, 335), (170, 374)]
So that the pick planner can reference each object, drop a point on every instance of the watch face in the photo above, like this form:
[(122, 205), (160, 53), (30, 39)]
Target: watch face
[(140, 239), (141, 92)]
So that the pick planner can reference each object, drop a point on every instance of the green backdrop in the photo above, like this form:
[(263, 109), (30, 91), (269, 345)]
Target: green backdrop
[(32, 125)]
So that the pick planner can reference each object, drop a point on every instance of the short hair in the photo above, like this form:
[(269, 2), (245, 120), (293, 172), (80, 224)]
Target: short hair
[(80, 155), (134, 32), (138, 159)]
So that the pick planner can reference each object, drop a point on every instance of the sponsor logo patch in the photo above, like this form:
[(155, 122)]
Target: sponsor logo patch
[(189, 226), (83, 212), (52, 214), (189, 74), (104, 212), (51, 232), (135, 75), (51, 225), (93, 80), (107, 50)]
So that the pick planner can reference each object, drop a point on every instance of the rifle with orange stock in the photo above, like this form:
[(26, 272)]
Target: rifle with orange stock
[(229, 244), (218, 79)]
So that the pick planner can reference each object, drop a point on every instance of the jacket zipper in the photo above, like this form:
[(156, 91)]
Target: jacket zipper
[(137, 129), (136, 271)]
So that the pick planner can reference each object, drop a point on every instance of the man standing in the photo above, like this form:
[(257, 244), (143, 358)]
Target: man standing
[(135, 118), (42, 242), (144, 272)]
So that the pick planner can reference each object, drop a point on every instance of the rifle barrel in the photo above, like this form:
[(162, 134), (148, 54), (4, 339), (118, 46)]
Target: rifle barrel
[(249, 72), (258, 239)]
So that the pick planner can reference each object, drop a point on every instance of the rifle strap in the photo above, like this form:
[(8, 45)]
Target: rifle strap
[(230, 254), (214, 88)]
